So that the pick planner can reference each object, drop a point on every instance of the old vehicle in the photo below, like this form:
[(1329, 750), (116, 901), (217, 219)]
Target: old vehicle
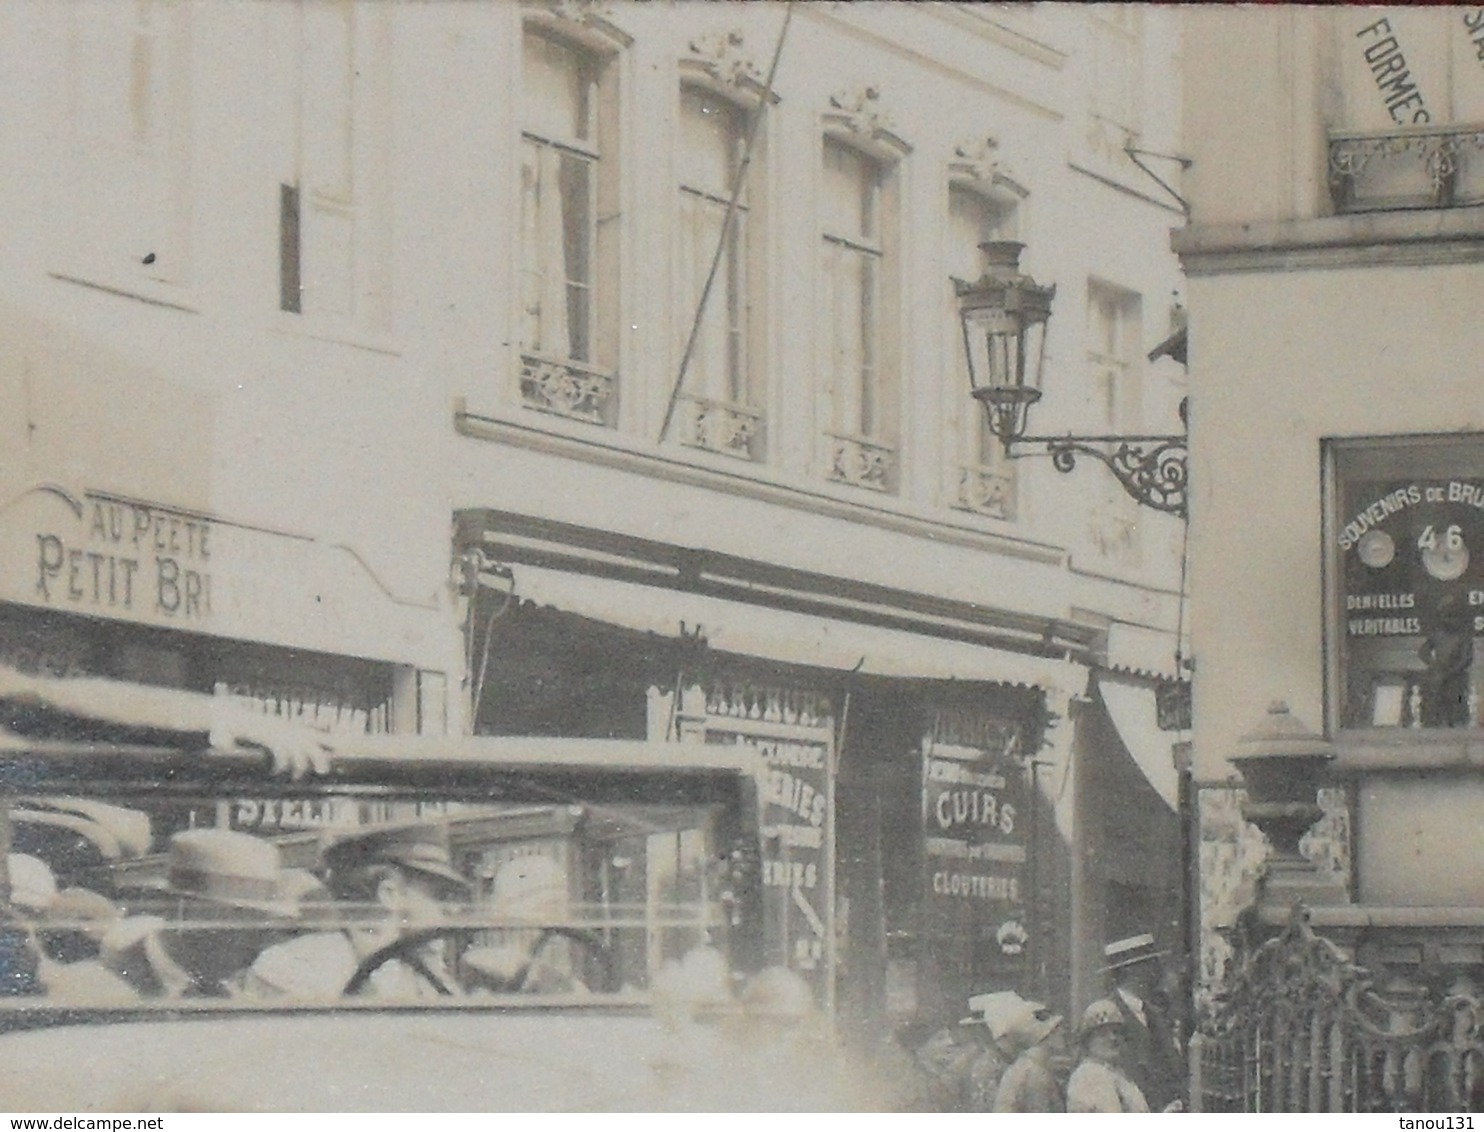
[(473, 924)]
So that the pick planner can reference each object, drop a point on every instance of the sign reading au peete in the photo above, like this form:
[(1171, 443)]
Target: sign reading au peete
[(127, 559)]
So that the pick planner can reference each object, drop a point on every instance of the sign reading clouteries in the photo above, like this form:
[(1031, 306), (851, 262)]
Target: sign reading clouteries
[(974, 824)]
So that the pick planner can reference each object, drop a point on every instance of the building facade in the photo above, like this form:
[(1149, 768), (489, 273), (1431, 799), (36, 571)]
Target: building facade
[(1333, 257), (652, 307)]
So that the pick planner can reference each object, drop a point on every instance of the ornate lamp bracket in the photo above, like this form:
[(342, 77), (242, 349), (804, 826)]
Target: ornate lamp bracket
[(1154, 470)]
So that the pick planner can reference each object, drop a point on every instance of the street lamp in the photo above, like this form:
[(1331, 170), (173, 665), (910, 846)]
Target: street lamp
[(1005, 315)]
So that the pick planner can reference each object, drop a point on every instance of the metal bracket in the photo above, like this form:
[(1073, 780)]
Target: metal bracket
[(1154, 470)]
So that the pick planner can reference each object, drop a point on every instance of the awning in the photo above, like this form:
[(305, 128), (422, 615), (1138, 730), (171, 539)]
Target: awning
[(1132, 710), (781, 635)]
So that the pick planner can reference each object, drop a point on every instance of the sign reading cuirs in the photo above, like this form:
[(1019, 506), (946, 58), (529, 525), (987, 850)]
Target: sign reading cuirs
[(975, 827)]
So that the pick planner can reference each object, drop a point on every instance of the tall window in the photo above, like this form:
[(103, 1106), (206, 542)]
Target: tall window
[(719, 406), (1115, 41), (567, 243), (128, 188), (1115, 394), (855, 287), (332, 266), (984, 478)]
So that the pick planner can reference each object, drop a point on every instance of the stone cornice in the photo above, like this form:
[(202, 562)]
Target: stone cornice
[(1428, 237)]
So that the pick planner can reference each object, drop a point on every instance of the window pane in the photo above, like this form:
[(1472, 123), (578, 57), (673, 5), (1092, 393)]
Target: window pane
[(328, 74), (556, 83), (710, 142), (577, 234), (849, 181)]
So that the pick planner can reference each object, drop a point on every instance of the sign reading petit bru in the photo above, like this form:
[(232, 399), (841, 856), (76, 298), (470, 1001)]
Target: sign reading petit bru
[(128, 558), (1405, 548)]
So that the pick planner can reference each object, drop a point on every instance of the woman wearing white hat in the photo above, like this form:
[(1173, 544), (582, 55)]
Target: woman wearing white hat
[(1100, 1082)]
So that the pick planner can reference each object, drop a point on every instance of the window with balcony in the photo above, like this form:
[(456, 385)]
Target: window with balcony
[(1115, 397), (1407, 116), (719, 402), (858, 296), (983, 477), (568, 236), (1405, 562), (333, 254)]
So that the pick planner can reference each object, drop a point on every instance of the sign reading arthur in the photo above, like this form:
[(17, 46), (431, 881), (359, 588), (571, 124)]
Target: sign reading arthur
[(974, 819)]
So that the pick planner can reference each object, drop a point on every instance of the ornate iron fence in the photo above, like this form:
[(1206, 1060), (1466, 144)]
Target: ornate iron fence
[(1301, 1028)]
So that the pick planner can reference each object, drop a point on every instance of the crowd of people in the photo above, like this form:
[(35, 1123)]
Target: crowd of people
[(1014, 1055), (226, 918)]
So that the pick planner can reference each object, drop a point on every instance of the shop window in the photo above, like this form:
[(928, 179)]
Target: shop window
[(568, 235), (1406, 566), (332, 263), (720, 403), (1114, 398), (858, 297), (984, 477), (1407, 119)]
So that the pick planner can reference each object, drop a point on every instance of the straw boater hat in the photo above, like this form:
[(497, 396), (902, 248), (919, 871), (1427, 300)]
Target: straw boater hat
[(418, 847), (229, 869), (1130, 951), (1002, 1012)]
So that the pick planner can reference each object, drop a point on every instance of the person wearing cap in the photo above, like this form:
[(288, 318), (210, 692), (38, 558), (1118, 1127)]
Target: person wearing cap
[(1152, 1057), (1101, 1082), (1030, 1084), (222, 902), (403, 874)]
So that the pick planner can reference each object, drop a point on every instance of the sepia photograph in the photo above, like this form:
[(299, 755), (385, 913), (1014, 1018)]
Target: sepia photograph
[(741, 555)]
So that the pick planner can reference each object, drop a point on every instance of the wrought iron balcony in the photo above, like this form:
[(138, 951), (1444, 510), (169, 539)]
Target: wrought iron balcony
[(1407, 167), (987, 490), (862, 462), (720, 426), (568, 389)]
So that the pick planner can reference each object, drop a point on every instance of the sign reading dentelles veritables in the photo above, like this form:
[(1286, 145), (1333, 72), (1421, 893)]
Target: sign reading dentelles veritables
[(1412, 599)]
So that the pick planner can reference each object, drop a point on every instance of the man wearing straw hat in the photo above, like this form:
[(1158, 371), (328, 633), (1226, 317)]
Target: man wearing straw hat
[(399, 875), (1152, 1053)]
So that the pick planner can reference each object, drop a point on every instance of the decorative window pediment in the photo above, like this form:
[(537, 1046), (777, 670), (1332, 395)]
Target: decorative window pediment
[(857, 116), (721, 62), (977, 164), (586, 22)]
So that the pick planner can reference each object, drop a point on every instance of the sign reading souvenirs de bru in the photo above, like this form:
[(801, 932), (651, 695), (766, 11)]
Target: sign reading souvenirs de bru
[(975, 832), (1412, 557)]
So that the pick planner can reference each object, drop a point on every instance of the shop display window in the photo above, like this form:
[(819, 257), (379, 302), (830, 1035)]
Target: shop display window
[(1406, 554)]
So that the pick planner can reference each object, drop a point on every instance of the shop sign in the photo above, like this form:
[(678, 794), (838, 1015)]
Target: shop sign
[(97, 555), (974, 823), (797, 892), (1412, 554), (131, 560)]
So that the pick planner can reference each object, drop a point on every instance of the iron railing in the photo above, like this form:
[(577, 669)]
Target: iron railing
[(1406, 167), (1302, 1028)]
